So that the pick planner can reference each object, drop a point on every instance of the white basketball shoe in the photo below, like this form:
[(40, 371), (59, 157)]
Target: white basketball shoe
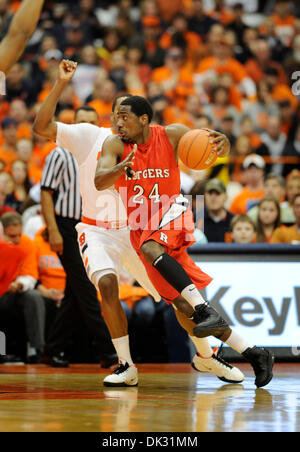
[(124, 375), (218, 366)]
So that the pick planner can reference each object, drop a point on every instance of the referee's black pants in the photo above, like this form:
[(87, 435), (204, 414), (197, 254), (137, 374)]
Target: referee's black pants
[(79, 294)]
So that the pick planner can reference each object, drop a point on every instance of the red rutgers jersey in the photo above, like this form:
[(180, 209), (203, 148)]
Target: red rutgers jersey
[(157, 211), (157, 178), (11, 258)]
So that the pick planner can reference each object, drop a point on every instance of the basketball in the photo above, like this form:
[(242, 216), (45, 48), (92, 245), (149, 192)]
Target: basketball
[(196, 151)]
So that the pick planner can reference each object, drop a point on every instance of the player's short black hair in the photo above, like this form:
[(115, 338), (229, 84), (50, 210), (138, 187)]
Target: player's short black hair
[(139, 106), (119, 97), (85, 108)]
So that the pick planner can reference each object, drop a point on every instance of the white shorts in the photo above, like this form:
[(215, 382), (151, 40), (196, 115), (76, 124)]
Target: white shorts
[(107, 251)]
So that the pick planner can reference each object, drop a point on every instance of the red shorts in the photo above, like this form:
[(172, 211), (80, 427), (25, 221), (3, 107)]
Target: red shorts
[(175, 234)]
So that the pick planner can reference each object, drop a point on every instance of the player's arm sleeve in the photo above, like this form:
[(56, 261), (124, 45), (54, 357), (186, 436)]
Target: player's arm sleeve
[(79, 139), (21, 29)]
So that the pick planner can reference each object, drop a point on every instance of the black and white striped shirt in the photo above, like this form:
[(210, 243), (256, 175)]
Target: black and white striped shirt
[(61, 175)]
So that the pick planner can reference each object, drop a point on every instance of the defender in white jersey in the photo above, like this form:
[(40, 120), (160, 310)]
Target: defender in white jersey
[(103, 234)]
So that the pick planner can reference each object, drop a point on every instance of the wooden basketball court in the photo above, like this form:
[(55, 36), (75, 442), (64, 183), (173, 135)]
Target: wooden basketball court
[(169, 398)]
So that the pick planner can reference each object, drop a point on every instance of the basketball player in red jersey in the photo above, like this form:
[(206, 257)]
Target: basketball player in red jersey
[(142, 161), (21, 29)]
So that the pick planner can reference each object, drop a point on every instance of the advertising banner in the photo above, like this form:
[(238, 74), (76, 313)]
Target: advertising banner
[(260, 300)]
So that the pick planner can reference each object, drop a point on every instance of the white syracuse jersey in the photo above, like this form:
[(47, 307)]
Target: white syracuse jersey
[(85, 142)]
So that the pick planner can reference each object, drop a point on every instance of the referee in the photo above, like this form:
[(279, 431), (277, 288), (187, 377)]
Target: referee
[(61, 206)]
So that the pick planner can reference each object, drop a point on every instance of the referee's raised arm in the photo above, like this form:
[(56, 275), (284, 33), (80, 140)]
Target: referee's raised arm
[(20, 31)]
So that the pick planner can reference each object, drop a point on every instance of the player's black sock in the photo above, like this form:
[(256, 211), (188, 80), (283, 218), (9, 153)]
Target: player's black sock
[(172, 272)]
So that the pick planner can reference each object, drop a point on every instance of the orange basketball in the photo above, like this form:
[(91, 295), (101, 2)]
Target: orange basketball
[(196, 151)]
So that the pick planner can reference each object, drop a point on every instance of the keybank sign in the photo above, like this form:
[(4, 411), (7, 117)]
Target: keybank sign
[(261, 301)]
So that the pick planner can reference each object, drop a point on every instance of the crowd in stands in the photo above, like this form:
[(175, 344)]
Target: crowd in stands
[(220, 64)]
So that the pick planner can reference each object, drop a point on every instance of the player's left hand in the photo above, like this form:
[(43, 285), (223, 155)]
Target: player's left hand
[(220, 142)]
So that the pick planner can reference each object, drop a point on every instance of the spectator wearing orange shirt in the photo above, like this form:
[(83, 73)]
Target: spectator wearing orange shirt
[(221, 62), (284, 21), (189, 116), (19, 111), (292, 233), (279, 91), (103, 104), (261, 61), (8, 148), (222, 13), (11, 258), (21, 295), (247, 128), (169, 8), (220, 107), (175, 78), (289, 119), (179, 32), (235, 96), (252, 192), (275, 188), (52, 277), (151, 31)]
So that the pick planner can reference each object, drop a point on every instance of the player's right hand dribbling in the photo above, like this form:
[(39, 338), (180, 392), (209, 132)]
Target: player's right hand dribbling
[(67, 70)]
